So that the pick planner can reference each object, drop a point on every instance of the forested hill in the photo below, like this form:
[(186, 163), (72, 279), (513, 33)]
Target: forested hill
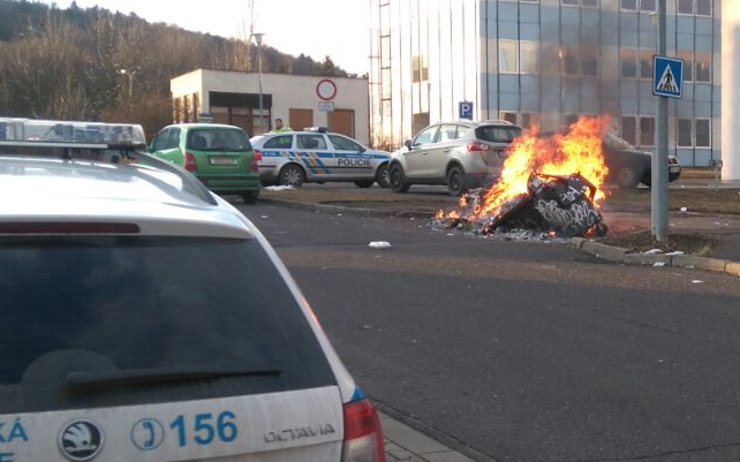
[(92, 64)]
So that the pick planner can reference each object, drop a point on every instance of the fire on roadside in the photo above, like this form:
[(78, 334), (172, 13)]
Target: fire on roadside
[(579, 151)]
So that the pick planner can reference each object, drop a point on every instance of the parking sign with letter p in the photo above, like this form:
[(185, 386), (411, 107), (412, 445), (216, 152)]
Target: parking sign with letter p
[(466, 110)]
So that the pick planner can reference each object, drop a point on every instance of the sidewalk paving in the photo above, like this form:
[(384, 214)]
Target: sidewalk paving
[(403, 443)]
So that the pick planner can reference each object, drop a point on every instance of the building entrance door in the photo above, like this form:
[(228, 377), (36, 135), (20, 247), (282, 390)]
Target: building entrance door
[(342, 121)]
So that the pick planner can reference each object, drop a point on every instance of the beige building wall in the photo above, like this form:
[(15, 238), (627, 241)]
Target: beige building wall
[(287, 92)]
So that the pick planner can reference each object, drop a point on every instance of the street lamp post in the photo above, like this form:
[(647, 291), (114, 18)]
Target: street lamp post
[(258, 39), (130, 74)]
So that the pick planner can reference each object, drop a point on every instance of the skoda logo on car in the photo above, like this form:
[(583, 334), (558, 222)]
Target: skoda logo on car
[(80, 440)]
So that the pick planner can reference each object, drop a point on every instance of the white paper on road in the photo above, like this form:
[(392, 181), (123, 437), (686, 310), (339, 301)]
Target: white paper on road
[(380, 245), (279, 188), (659, 264), (653, 252)]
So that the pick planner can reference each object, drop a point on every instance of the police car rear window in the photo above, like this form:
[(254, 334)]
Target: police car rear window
[(497, 134), (279, 142), (112, 320)]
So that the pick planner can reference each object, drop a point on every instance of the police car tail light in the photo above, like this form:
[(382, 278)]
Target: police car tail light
[(363, 438), (189, 162), (478, 147), (253, 166)]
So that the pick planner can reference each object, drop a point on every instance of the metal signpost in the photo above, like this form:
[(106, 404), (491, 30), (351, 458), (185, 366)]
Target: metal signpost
[(667, 83)]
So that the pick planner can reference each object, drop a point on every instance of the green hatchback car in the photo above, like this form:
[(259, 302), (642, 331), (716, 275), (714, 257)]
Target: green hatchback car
[(218, 155)]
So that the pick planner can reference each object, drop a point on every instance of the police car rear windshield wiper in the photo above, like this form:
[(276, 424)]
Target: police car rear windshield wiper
[(103, 379)]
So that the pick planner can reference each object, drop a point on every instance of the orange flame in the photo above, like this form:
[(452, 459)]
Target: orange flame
[(578, 151)]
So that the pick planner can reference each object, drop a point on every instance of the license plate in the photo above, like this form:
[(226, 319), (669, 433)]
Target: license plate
[(223, 161)]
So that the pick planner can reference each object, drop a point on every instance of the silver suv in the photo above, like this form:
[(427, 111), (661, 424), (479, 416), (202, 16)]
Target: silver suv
[(145, 318), (461, 154)]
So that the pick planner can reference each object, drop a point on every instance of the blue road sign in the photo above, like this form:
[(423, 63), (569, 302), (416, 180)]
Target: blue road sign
[(466, 110), (667, 76)]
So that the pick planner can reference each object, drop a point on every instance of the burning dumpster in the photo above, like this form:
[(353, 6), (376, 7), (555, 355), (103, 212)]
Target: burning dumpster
[(550, 185)]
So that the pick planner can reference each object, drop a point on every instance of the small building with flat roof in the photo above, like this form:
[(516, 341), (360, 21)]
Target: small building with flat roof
[(233, 97)]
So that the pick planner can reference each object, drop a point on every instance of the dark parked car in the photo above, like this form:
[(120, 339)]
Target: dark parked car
[(628, 166)]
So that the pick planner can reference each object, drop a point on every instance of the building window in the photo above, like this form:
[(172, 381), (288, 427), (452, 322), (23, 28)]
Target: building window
[(529, 119), (704, 7), (688, 65), (702, 63), (703, 133), (629, 5), (628, 60), (647, 131), (420, 121), (589, 63), (420, 69), (684, 132), (646, 64), (568, 62), (508, 62), (685, 6), (529, 57), (590, 3), (629, 130), (508, 116), (569, 2), (647, 5)]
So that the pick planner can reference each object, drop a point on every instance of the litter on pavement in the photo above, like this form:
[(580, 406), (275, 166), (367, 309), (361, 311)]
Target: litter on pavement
[(379, 245)]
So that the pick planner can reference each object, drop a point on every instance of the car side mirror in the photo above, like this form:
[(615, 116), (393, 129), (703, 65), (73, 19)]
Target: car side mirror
[(408, 144)]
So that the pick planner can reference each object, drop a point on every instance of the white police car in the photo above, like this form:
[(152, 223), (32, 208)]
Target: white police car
[(146, 319), (315, 155)]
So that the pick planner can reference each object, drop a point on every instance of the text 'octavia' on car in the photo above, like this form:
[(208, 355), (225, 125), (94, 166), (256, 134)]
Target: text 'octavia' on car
[(461, 154), (316, 155), (218, 155), (146, 319)]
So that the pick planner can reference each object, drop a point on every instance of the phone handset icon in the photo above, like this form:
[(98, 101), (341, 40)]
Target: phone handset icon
[(149, 426), (147, 434)]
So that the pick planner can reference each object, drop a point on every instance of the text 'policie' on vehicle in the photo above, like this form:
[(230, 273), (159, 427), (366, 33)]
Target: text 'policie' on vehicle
[(316, 155), (148, 319)]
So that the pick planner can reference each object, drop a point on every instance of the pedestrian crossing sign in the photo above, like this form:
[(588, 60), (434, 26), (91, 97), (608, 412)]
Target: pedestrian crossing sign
[(667, 76)]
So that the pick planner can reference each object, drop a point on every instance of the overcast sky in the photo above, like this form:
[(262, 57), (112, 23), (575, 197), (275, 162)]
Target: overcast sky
[(338, 28)]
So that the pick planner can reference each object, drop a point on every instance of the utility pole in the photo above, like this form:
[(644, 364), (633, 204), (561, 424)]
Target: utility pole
[(258, 39), (659, 173)]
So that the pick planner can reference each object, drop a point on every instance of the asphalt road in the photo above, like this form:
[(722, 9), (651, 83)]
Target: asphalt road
[(522, 351)]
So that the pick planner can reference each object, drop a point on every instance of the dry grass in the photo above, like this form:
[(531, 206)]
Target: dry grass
[(695, 200), (643, 241)]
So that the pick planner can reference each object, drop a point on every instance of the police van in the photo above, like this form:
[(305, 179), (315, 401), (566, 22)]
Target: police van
[(147, 319), (317, 155)]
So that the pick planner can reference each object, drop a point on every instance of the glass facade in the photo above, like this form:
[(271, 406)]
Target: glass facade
[(544, 62)]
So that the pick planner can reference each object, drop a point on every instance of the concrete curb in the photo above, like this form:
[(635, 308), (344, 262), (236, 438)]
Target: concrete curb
[(625, 256)]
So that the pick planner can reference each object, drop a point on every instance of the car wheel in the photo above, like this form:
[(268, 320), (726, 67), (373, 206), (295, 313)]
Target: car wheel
[(364, 183), (455, 181), (383, 176), (398, 179), (627, 177), (292, 175), (250, 197)]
